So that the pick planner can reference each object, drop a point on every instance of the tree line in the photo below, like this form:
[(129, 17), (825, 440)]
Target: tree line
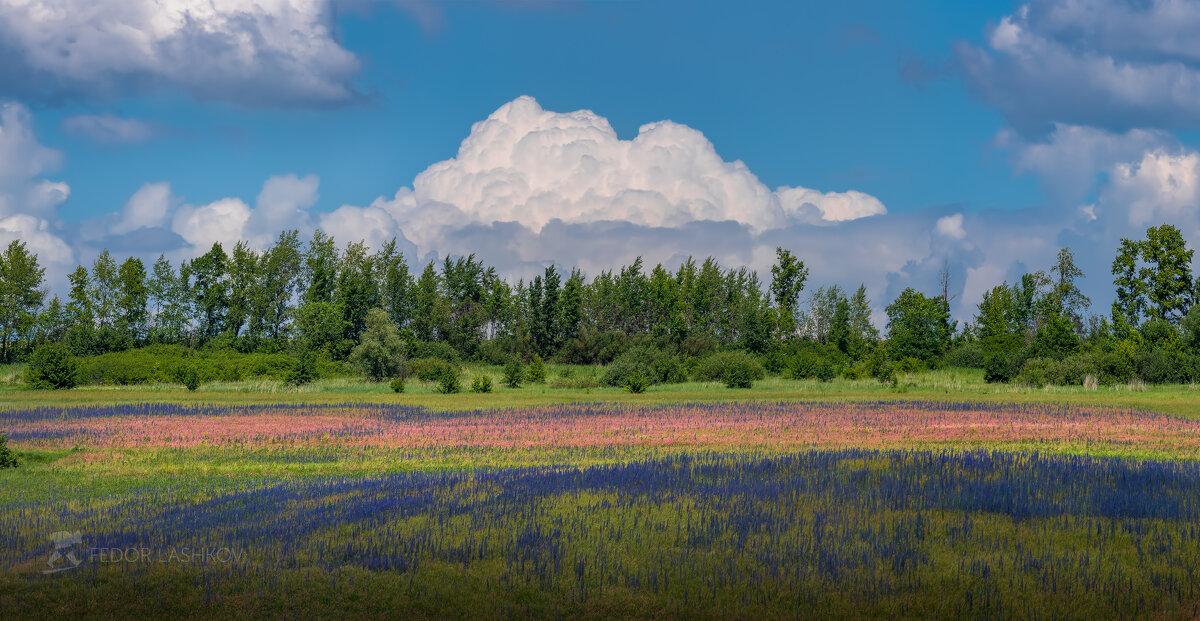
[(314, 296)]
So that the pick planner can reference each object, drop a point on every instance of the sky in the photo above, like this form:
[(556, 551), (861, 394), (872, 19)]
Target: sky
[(879, 141)]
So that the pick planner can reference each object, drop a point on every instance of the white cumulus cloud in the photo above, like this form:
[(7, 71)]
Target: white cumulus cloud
[(266, 52), (532, 166), (28, 201)]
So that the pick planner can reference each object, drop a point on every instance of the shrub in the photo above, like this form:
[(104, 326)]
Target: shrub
[(7, 458), (998, 368), (51, 366), (907, 366), (826, 371), (449, 382), (968, 355), (513, 373), (804, 365), (304, 371), (594, 347), (636, 383), (714, 368), (398, 385), (655, 365), (741, 373), (481, 384), (431, 369), (537, 370), (191, 379), (380, 353), (1155, 366)]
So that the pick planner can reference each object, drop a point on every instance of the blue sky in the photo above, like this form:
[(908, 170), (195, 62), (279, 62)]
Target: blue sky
[(976, 135)]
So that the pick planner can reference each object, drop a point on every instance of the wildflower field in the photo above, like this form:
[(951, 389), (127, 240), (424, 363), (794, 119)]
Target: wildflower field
[(878, 509)]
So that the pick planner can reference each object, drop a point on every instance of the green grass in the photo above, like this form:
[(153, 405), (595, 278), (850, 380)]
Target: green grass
[(953, 384)]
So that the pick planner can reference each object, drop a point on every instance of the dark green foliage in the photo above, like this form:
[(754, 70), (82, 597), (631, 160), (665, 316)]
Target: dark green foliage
[(191, 379), (714, 368), (513, 373), (1155, 366), (826, 370), (655, 365), (7, 458), (167, 364), (968, 355), (437, 349), (636, 383), (999, 367), (481, 384), (1056, 338), (448, 383), (803, 365), (51, 367), (537, 370), (304, 371), (594, 347), (907, 366), (740, 375), (397, 385), (1070, 371), (431, 369)]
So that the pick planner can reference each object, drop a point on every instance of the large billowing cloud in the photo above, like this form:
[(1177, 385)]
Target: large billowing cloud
[(1115, 64), (531, 166), (260, 53), (29, 201)]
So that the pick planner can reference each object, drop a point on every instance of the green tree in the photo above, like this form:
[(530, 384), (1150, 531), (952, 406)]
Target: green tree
[(210, 291), (104, 290), (21, 295), (357, 290), (322, 327), (320, 268), (397, 284), (381, 353), (1168, 273), (429, 308), (918, 326), (1065, 297), (169, 297), (787, 280), (132, 296), (281, 274), (243, 284)]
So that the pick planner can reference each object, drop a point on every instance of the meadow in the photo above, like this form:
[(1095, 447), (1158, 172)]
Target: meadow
[(940, 497)]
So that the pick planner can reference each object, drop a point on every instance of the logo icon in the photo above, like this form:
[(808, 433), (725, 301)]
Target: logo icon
[(64, 557)]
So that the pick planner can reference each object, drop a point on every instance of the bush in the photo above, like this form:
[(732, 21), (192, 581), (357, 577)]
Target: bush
[(7, 458), (513, 373), (169, 363), (191, 379), (654, 365), (998, 368), (449, 382), (907, 366), (968, 355), (537, 370), (826, 371), (714, 368), (398, 385), (51, 367), (380, 353), (804, 365), (742, 373), (431, 369), (304, 371), (594, 347), (481, 384), (636, 383), (1155, 366)]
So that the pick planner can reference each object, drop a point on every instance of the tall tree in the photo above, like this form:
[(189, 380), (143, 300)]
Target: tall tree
[(282, 272), (396, 284), (1168, 273), (320, 268), (21, 294), (244, 283), (132, 296), (170, 301), (104, 290), (357, 289), (210, 291), (787, 280)]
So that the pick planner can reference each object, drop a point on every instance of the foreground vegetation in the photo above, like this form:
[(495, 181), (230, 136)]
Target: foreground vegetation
[(875, 509)]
